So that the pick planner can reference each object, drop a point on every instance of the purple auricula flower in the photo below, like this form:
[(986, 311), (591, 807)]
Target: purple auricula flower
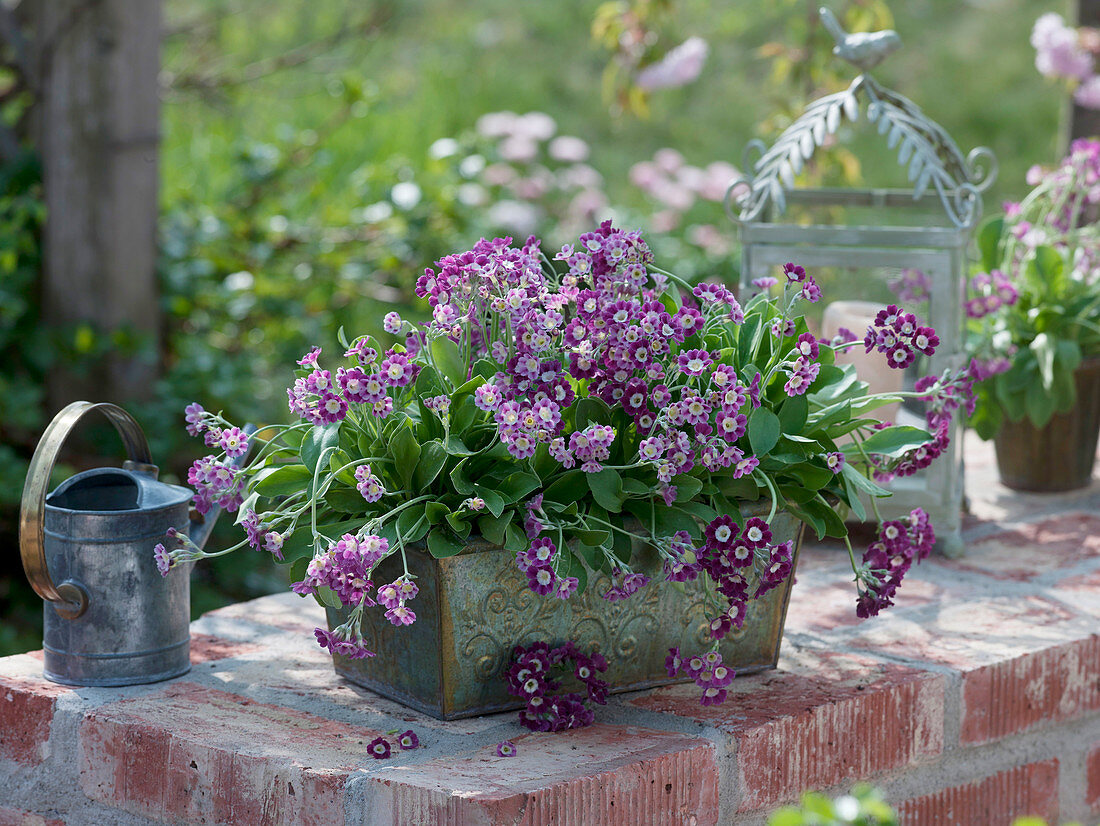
[(506, 748), (379, 748)]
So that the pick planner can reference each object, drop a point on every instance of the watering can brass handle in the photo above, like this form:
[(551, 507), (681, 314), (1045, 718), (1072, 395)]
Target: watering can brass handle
[(68, 597)]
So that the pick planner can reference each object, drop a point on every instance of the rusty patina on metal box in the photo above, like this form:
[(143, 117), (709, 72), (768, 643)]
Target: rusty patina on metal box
[(473, 609)]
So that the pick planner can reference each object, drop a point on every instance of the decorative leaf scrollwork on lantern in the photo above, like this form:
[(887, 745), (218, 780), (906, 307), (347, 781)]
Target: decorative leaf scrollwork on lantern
[(932, 158)]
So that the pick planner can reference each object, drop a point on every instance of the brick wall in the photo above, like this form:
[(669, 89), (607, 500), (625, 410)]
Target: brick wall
[(975, 700)]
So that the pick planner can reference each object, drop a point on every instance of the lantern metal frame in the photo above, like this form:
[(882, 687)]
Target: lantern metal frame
[(938, 172)]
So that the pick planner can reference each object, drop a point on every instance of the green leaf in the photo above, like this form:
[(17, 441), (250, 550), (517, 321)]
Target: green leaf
[(1040, 407), (442, 544), (607, 489), (861, 482), (564, 489), (517, 485), (285, 481), (346, 500), (793, 413), (830, 523), (436, 512), (989, 239), (428, 383), (412, 523), (493, 500), (461, 483), (493, 528), (456, 447), (432, 458), (592, 538), (636, 487), (892, 441), (459, 525), (446, 357), (592, 410), (763, 431), (327, 597), (319, 441), (1043, 347), (687, 487), (406, 453), (515, 539)]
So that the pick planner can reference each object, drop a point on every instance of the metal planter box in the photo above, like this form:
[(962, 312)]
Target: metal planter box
[(475, 607)]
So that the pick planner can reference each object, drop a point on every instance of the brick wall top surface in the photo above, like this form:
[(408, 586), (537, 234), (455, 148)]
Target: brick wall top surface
[(980, 660)]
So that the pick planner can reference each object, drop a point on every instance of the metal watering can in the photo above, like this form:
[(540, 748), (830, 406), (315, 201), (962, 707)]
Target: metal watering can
[(111, 619)]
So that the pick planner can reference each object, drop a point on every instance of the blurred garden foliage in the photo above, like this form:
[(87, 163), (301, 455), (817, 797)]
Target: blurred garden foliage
[(317, 155)]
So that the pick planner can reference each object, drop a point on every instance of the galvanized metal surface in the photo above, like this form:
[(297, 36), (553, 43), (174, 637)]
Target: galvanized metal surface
[(475, 607), (113, 619)]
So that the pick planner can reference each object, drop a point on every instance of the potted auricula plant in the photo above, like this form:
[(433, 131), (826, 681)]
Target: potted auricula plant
[(1034, 318), (583, 452)]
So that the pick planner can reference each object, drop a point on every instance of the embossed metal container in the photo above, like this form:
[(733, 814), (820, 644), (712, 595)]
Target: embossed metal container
[(473, 609)]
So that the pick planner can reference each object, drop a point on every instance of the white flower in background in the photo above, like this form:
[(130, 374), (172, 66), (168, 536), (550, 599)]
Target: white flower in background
[(568, 149), (719, 176), (1088, 93), (677, 68), (405, 195), (579, 176), (1058, 51), (668, 160), (515, 216), (471, 166), (519, 149), (472, 195), (496, 124), (499, 174), (587, 204), (537, 126), (239, 281), (443, 148), (376, 212)]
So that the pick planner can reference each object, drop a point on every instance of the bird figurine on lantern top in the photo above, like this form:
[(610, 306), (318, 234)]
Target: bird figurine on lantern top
[(864, 50)]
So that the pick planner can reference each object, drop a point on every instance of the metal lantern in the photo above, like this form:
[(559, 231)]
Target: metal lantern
[(919, 235)]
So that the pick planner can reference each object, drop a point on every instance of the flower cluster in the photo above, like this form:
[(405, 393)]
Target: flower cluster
[(900, 543), (900, 337), (537, 671), (570, 410), (706, 670), (321, 398), (1065, 52), (346, 568), (729, 555), (990, 291)]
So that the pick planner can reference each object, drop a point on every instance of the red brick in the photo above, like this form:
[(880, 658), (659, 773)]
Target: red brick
[(818, 604), (993, 801), (19, 817), (610, 775), (198, 754), (207, 648), (27, 702), (1026, 552), (807, 724), (1023, 660), (1092, 778)]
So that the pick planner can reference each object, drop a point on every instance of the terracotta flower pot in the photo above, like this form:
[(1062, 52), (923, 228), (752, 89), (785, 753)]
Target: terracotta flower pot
[(474, 608), (1059, 456)]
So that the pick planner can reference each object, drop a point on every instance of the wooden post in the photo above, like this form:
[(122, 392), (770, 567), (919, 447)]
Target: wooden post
[(1085, 123), (97, 129)]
